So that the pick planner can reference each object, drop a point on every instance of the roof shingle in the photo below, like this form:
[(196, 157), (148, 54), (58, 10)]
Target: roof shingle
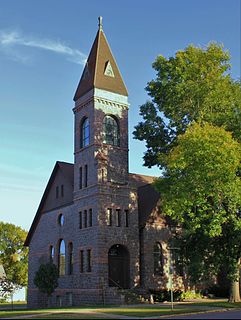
[(94, 75)]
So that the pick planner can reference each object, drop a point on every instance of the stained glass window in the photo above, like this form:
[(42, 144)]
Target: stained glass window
[(85, 133), (111, 131)]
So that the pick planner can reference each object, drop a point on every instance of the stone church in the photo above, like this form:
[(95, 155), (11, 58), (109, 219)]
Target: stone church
[(96, 221)]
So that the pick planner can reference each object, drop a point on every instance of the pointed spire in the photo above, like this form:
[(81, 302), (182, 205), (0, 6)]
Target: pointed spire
[(101, 70), (100, 23)]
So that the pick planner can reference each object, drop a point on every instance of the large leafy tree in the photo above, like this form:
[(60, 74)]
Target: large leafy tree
[(195, 84), (201, 190), (13, 254)]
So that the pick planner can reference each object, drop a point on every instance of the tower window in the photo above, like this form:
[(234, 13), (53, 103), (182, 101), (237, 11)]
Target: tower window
[(62, 190), (80, 177), (158, 259), (118, 217), (86, 175), (88, 260), (80, 219), (81, 261), (71, 261), (85, 133), (90, 217), (51, 253), (109, 217), (111, 131), (85, 219), (61, 220)]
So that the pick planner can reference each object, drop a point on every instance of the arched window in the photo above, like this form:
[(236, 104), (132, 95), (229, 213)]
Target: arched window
[(111, 131), (61, 219), (71, 260), (61, 262), (158, 259), (85, 133), (51, 253)]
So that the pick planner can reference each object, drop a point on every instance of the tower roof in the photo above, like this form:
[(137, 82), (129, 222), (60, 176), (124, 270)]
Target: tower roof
[(101, 70)]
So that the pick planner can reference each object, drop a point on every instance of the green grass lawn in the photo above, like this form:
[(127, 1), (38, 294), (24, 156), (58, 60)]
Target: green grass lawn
[(220, 304), (98, 312), (16, 305), (148, 311), (101, 313), (84, 313), (62, 315)]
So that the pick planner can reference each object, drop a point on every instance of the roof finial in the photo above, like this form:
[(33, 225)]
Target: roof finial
[(100, 23)]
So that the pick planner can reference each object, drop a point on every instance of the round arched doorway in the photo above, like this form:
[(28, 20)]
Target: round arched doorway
[(119, 266)]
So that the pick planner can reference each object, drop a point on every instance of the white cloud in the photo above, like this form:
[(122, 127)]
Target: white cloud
[(10, 40)]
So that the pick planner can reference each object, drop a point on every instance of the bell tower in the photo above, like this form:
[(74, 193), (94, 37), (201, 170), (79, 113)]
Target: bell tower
[(101, 120), (101, 174)]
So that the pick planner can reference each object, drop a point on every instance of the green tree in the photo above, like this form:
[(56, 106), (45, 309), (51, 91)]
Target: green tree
[(46, 278), (200, 189), (193, 85), (13, 254)]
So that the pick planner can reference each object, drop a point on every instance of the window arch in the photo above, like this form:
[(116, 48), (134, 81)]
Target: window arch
[(85, 133), (111, 131), (158, 259), (70, 258), (61, 256)]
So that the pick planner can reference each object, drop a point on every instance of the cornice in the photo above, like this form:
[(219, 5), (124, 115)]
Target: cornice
[(113, 103), (101, 100)]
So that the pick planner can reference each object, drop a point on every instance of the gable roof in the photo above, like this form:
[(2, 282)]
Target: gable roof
[(100, 63), (68, 171), (148, 199), (141, 179)]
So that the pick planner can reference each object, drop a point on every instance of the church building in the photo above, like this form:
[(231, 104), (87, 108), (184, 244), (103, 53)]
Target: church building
[(96, 221)]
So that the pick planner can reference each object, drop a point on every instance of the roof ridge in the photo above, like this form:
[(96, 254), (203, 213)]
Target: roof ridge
[(144, 175), (65, 162), (114, 60), (97, 54)]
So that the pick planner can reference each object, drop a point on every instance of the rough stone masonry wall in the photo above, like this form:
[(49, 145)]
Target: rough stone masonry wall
[(156, 230), (122, 198), (84, 287), (49, 232)]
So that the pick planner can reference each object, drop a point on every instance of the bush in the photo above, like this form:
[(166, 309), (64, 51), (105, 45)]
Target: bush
[(131, 297), (165, 295), (190, 295)]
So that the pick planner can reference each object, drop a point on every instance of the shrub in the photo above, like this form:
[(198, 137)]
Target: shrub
[(46, 278), (165, 295), (190, 295)]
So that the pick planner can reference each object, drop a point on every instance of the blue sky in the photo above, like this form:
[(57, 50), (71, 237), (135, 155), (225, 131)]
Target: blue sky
[(42, 48)]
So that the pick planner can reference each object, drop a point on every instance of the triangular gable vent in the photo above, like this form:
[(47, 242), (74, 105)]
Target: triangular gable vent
[(108, 70)]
